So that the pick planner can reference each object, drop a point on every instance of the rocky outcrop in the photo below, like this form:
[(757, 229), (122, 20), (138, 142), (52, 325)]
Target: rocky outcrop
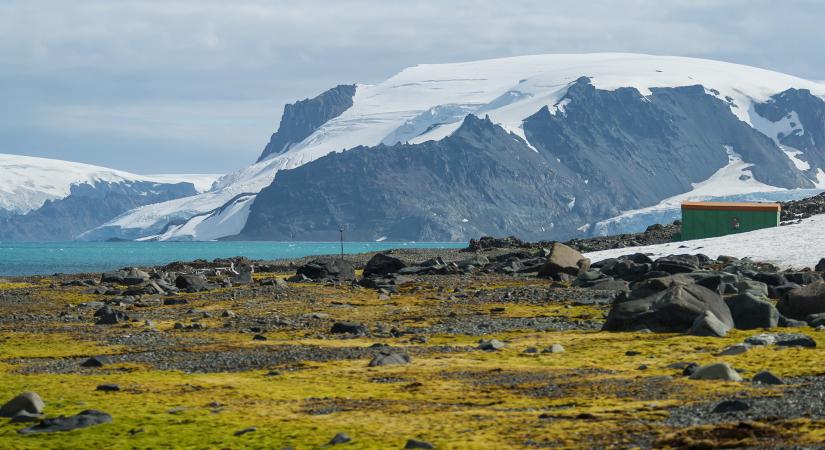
[(302, 118)]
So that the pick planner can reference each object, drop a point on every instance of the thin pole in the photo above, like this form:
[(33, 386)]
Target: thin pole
[(341, 229)]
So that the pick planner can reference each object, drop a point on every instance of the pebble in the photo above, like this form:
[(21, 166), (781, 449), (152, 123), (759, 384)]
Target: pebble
[(731, 406), (737, 349), (555, 348), (245, 431), (109, 387), (766, 377), (340, 438), (721, 371), (415, 443), (96, 361), (490, 345)]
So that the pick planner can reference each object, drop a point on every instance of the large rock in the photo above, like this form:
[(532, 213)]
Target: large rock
[(677, 264), (674, 309), (330, 268), (192, 283), (563, 259), (29, 402), (383, 264), (83, 419), (800, 303), (388, 359), (110, 316), (749, 312), (718, 371), (707, 324)]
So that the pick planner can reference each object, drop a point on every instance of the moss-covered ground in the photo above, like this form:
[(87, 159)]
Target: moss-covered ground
[(605, 390)]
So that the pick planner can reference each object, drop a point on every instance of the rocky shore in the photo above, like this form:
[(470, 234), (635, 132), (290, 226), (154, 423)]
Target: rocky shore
[(505, 344)]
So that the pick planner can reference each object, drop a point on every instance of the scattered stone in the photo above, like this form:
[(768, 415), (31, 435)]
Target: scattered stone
[(259, 337), (109, 316), (708, 325), (728, 406), (193, 283), (28, 402), (96, 361), (490, 345), (25, 416), (717, 371), (689, 369), (555, 348), (795, 340), (245, 431), (109, 387), (563, 259), (83, 419), (349, 328), (227, 313), (800, 303), (672, 310), (389, 358), (766, 377), (737, 349), (750, 312), (764, 339), (383, 264), (330, 268), (416, 444), (530, 350), (175, 301), (340, 438)]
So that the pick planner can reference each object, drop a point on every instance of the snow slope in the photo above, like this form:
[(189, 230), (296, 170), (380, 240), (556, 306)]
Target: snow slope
[(27, 182), (733, 179), (791, 246), (429, 101)]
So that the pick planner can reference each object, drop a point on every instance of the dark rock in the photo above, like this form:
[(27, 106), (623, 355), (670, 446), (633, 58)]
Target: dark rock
[(175, 301), (488, 242), (749, 312), (383, 264), (415, 443), (349, 328), (83, 419), (674, 309), (96, 361), (108, 387), (820, 266), (767, 378), (329, 268), (731, 406), (28, 402), (340, 438), (795, 340), (803, 278), (780, 291), (245, 431), (25, 416), (259, 337), (109, 316), (193, 283), (707, 324), (771, 278), (689, 369), (389, 358), (677, 264), (802, 302)]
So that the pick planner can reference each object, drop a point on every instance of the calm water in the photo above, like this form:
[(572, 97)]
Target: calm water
[(31, 258)]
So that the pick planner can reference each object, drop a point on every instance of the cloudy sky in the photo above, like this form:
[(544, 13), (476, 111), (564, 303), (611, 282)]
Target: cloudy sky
[(198, 86)]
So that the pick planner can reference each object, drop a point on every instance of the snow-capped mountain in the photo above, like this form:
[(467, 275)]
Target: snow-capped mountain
[(613, 132), (49, 199)]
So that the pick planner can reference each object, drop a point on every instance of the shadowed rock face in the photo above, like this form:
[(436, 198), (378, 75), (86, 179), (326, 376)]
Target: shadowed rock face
[(87, 206), (608, 151), (302, 118), (809, 124)]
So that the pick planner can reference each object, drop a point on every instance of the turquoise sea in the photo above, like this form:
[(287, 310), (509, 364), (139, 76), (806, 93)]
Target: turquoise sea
[(44, 258)]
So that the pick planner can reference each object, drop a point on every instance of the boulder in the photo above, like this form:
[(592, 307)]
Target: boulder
[(766, 377), (674, 309), (728, 406), (383, 264), (756, 288), (28, 402), (417, 444), (191, 282), (749, 312), (771, 278), (389, 358), (110, 316), (563, 259), (490, 345), (717, 371), (803, 278), (329, 268), (800, 303), (820, 266), (348, 328), (340, 438), (677, 264), (707, 324), (83, 419)]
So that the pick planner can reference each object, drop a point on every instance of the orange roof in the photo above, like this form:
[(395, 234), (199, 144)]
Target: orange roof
[(732, 206)]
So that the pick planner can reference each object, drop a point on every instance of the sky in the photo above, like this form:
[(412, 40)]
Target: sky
[(198, 86)]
